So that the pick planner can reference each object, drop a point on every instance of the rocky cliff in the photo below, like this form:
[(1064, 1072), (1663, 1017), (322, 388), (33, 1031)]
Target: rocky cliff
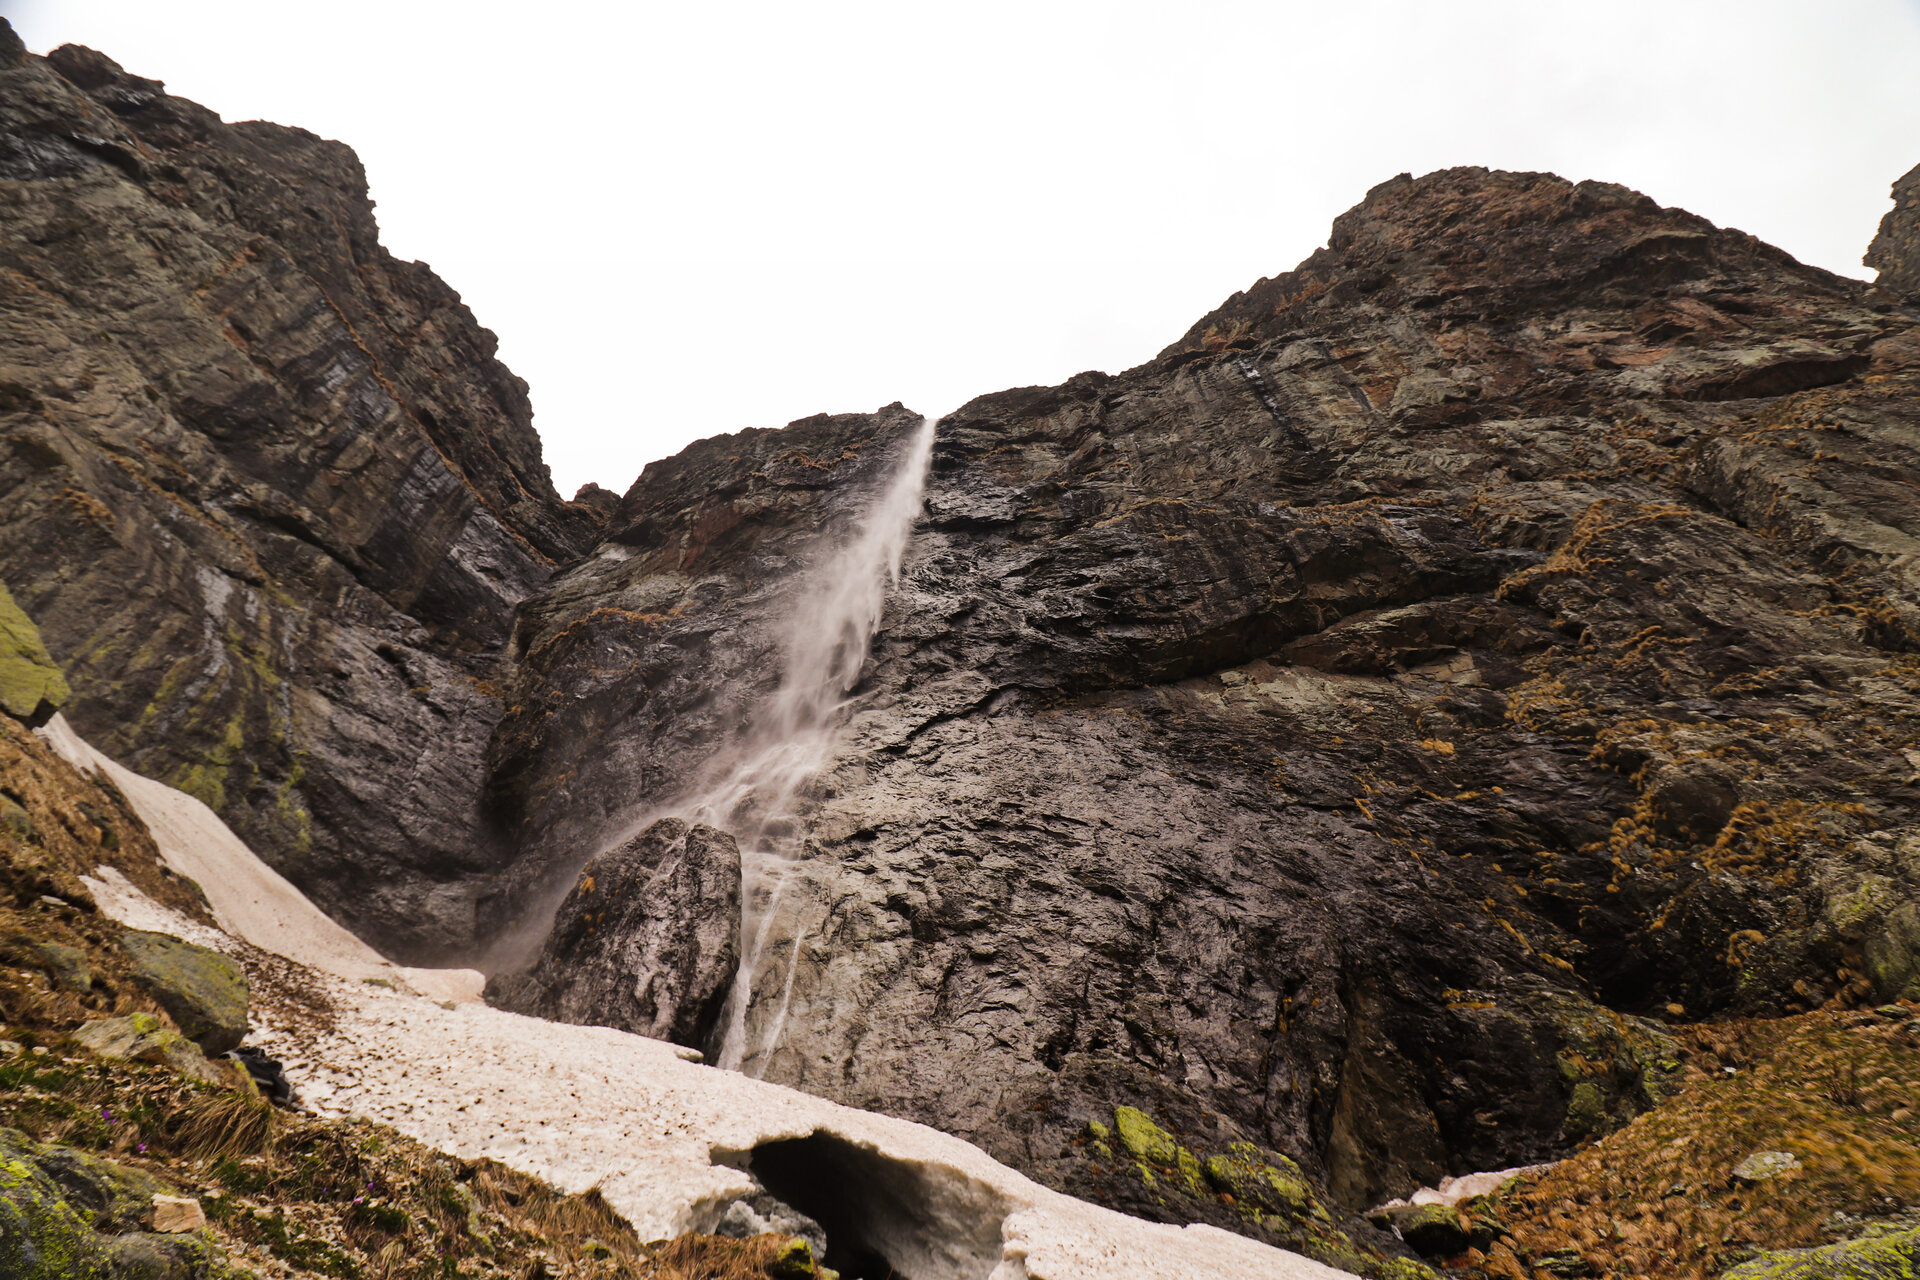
[(1354, 731), (265, 488), (1346, 743)]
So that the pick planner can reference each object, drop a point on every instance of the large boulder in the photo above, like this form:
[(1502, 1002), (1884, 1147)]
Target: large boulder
[(647, 940), (204, 991), (141, 1037), (60, 1210), (31, 686)]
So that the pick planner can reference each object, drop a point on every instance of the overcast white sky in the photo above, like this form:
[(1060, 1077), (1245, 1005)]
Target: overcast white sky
[(688, 218)]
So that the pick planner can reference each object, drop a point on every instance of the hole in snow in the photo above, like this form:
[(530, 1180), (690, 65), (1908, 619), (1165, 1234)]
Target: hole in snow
[(884, 1218)]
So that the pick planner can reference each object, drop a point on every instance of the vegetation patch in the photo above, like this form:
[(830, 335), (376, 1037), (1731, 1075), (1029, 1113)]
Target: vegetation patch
[(1679, 1192)]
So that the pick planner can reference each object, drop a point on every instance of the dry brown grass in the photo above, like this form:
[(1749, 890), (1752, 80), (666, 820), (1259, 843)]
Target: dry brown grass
[(221, 1124), (1656, 1199), (698, 1257)]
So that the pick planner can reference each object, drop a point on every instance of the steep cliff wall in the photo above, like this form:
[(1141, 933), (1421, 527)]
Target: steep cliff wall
[(265, 489), (1355, 732), (1352, 731)]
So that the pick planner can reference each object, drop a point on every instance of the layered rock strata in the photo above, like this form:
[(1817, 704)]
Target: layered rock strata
[(1351, 732), (265, 489)]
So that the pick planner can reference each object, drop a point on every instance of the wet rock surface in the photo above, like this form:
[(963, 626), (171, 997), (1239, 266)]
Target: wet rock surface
[(1351, 733), (647, 941), (263, 487)]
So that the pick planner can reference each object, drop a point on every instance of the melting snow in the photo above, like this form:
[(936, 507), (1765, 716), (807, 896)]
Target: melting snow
[(587, 1106)]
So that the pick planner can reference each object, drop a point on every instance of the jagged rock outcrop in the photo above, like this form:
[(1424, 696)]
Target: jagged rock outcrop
[(1895, 252), (265, 489), (1350, 732), (647, 941)]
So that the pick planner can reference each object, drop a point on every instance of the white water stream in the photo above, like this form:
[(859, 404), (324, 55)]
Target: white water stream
[(751, 788)]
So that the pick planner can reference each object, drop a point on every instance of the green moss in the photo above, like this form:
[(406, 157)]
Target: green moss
[(204, 991), (67, 966), (207, 780), (1586, 1110), (238, 1177), (46, 1233), (1405, 1269), (31, 685), (1265, 1184), (1144, 1139), (386, 1217), (285, 1240), (1890, 1257), (1190, 1175), (794, 1261), (14, 820)]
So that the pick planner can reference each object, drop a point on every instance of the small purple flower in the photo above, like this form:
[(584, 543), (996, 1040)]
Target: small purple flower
[(141, 1148)]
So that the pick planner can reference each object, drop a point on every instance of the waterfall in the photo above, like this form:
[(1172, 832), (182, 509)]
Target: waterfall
[(792, 735)]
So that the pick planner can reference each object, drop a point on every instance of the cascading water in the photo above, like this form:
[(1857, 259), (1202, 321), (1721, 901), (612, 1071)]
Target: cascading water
[(792, 736)]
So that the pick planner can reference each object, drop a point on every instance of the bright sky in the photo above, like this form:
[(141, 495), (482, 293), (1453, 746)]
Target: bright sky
[(688, 218)]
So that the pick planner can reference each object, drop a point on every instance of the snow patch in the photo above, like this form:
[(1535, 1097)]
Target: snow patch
[(671, 1145), (250, 900), (1452, 1191)]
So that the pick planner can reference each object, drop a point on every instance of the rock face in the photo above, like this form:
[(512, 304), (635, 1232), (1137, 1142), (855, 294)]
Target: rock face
[(1895, 252), (1346, 733), (647, 940), (1343, 738), (265, 490)]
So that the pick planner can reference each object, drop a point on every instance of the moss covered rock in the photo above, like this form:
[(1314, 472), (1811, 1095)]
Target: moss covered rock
[(1265, 1182), (68, 1215), (1889, 1257), (42, 1235), (141, 1037), (31, 686), (1144, 1139), (66, 966), (793, 1261), (204, 991)]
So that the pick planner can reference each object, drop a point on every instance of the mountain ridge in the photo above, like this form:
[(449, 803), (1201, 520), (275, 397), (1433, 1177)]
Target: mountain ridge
[(1366, 733)]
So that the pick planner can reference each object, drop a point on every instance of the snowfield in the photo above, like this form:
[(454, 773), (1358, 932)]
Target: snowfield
[(668, 1141)]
